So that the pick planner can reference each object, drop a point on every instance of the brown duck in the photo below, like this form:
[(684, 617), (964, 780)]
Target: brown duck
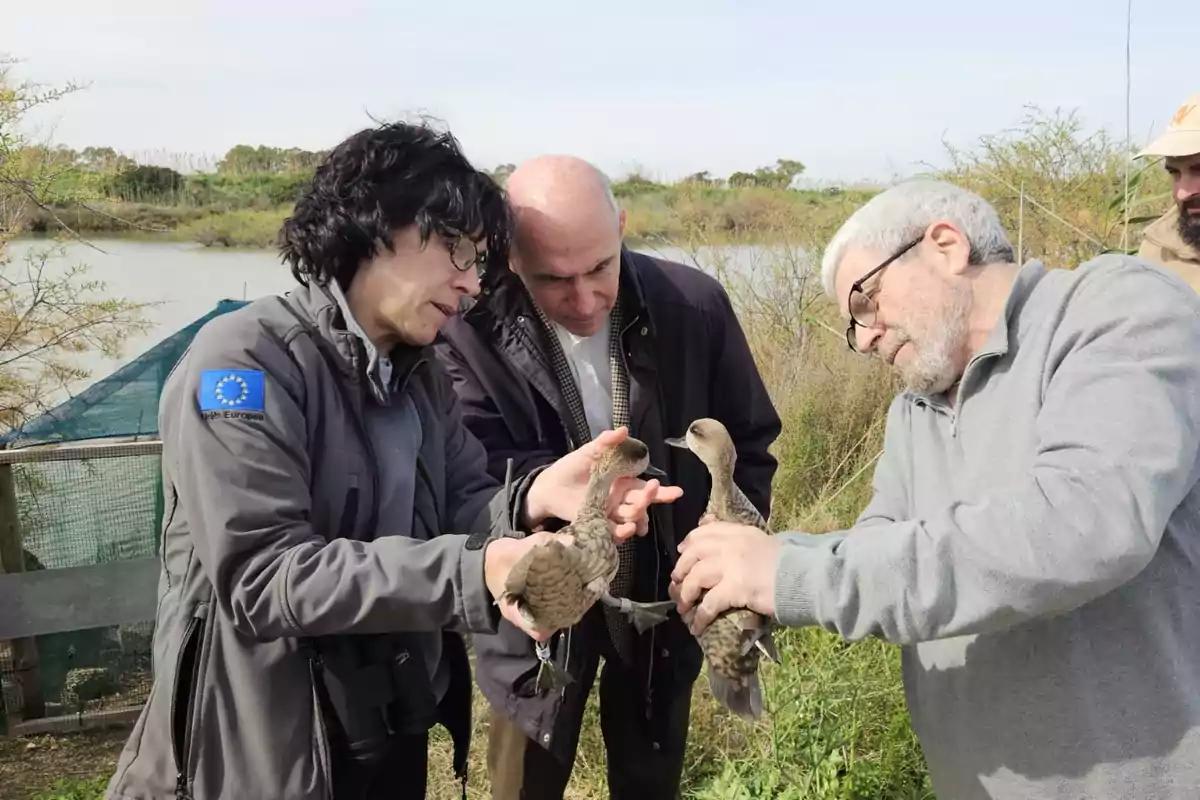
[(734, 641), (554, 584)]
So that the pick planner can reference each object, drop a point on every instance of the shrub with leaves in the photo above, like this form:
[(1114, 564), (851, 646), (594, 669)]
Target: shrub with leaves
[(49, 313)]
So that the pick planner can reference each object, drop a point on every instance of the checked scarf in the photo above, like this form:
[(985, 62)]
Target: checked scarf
[(578, 433)]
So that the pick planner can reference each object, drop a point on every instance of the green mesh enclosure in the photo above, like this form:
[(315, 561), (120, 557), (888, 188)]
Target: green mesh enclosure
[(87, 507), (122, 404)]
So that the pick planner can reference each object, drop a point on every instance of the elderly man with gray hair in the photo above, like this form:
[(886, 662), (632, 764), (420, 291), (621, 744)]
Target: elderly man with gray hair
[(1033, 540)]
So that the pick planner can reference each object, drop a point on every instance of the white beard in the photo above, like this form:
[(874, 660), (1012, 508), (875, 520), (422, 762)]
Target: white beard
[(942, 332)]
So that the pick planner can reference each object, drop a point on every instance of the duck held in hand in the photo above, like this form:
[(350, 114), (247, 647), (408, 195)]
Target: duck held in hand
[(734, 641), (556, 583)]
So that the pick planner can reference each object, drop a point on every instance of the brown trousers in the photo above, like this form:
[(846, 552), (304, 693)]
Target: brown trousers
[(641, 766)]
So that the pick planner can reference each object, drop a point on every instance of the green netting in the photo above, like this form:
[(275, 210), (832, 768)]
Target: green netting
[(87, 510), (122, 404), (75, 513)]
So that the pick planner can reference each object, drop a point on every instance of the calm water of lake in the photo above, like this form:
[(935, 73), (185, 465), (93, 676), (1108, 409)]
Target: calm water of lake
[(187, 280)]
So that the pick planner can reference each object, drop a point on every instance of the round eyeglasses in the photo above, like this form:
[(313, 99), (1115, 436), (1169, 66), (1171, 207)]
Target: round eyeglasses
[(464, 253), (860, 305)]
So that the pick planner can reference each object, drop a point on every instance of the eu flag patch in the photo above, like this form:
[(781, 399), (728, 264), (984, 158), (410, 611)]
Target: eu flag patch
[(232, 390)]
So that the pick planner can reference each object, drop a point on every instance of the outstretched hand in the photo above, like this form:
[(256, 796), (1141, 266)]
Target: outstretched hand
[(559, 490)]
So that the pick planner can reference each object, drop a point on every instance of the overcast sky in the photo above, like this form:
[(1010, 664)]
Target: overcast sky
[(855, 90)]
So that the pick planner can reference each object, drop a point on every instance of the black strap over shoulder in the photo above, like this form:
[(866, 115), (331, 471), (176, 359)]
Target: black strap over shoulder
[(376, 687)]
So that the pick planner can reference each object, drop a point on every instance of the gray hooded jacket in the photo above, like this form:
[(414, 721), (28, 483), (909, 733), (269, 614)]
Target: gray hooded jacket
[(289, 608)]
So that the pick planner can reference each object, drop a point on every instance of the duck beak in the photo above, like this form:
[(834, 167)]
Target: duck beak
[(654, 472), (679, 442)]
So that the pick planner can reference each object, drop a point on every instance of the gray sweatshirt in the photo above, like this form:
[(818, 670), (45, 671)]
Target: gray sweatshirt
[(1036, 550)]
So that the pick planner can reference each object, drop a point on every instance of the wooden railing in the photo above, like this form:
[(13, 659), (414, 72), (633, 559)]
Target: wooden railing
[(66, 599)]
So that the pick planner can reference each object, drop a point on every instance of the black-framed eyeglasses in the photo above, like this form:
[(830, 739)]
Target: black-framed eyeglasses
[(860, 305), (465, 254)]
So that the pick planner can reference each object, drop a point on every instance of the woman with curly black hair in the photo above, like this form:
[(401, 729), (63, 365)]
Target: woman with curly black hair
[(330, 527)]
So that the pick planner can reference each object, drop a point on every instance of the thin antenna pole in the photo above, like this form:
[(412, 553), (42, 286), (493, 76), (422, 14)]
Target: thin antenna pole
[(1021, 226), (1033, 202), (1128, 92)]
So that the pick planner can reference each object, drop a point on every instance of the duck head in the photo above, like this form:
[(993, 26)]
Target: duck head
[(629, 459), (710, 441)]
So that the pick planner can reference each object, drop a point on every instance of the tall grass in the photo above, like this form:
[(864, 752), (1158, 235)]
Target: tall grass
[(689, 213)]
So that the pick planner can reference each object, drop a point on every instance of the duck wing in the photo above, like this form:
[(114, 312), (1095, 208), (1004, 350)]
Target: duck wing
[(546, 585), (596, 550), (745, 512), (732, 673)]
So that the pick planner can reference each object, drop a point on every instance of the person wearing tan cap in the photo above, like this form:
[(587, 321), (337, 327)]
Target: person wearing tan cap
[(1173, 240)]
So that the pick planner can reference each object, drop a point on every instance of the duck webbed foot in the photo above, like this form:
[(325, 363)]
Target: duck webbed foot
[(643, 615), (762, 639), (550, 676)]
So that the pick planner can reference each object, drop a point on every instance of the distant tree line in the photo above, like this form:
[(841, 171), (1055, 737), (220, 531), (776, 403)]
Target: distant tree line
[(262, 177), (246, 160), (780, 176), (246, 177)]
